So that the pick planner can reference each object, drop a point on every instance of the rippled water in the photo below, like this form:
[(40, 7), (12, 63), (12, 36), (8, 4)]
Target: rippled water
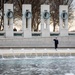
[(37, 66)]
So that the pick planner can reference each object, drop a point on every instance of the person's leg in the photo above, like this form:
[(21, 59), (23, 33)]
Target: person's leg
[(56, 46)]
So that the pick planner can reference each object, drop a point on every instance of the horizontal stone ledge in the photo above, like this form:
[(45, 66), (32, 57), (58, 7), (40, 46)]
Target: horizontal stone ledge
[(11, 51)]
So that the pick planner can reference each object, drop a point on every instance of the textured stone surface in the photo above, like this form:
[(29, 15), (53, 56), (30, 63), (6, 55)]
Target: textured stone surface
[(37, 42), (8, 28), (63, 30)]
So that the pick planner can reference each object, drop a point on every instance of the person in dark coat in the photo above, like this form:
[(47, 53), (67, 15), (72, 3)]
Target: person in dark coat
[(56, 42)]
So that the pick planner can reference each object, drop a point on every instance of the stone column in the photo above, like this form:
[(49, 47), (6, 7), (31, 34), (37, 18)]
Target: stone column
[(26, 19), (45, 20), (63, 20), (8, 20)]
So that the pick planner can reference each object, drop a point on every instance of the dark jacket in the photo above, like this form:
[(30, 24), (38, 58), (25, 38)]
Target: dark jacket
[(56, 41)]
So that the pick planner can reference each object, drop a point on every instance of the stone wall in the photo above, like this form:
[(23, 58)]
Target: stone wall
[(37, 42)]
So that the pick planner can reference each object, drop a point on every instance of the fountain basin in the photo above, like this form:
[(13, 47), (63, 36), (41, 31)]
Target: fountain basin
[(21, 53)]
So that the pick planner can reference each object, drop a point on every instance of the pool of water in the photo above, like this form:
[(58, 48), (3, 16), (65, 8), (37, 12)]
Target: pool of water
[(37, 66)]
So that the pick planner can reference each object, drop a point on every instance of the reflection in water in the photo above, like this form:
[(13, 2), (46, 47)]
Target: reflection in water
[(50, 66)]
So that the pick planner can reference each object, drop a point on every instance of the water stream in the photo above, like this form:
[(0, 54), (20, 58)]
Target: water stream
[(37, 66)]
